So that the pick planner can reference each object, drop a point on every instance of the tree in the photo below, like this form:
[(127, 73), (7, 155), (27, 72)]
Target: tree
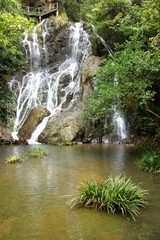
[(12, 27), (127, 77)]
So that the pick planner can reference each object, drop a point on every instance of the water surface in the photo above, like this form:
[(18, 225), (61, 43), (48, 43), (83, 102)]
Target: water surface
[(33, 195)]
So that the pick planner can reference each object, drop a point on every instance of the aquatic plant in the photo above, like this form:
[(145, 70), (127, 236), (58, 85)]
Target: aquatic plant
[(150, 160), (14, 159), (37, 152), (64, 143), (113, 195)]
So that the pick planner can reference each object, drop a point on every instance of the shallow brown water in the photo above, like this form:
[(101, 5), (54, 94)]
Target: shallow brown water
[(33, 195)]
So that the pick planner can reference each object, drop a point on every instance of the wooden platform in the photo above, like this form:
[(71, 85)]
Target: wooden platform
[(42, 11)]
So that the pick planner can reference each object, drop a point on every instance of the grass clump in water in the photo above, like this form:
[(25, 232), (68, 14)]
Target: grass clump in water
[(37, 152), (64, 143), (150, 160), (112, 195), (12, 159)]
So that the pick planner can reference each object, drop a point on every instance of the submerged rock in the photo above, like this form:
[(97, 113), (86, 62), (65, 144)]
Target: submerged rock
[(62, 127), (34, 119)]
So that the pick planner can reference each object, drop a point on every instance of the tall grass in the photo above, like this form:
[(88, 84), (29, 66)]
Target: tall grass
[(113, 195), (12, 159), (150, 160), (37, 152)]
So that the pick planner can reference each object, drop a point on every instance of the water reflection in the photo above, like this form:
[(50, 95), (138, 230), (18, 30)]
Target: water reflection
[(32, 202)]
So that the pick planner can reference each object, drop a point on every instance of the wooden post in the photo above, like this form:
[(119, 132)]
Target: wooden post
[(57, 10), (40, 18), (28, 8)]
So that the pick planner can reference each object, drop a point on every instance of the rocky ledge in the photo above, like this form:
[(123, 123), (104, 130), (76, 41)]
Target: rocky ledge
[(34, 119), (62, 127)]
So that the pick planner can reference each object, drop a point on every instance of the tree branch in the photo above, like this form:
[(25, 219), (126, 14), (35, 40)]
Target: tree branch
[(150, 111)]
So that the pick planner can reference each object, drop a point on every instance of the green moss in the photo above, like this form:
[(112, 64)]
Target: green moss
[(56, 123), (12, 159)]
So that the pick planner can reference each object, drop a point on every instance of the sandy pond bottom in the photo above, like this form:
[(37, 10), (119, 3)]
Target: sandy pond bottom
[(33, 195)]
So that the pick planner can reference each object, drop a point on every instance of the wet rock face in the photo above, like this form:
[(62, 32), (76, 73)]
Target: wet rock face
[(57, 43), (34, 119), (62, 127), (89, 69)]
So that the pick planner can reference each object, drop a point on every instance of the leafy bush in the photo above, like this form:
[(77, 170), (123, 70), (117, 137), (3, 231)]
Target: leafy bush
[(12, 159), (150, 161), (112, 195), (60, 21), (9, 6), (12, 27), (37, 152), (72, 9), (147, 123)]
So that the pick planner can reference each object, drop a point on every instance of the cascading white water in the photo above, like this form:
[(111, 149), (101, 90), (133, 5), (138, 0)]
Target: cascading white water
[(119, 122), (44, 34), (118, 119), (40, 88), (102, 41)]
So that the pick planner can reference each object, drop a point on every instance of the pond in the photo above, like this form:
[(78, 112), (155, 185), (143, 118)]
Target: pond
[(33, 195)]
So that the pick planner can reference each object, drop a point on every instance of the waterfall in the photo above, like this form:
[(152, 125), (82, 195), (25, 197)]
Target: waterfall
[(118, 119), (119, 122), (102, 41), (41, 88)]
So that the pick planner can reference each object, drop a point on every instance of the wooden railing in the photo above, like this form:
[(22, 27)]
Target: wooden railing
[(40, 11)]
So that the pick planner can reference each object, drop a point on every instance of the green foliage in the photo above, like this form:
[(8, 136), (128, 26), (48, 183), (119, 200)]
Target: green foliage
[(12, 27), (12, 159), (37, 152), (9, 6), (147, 123), (117, 20), (150, 160), (112, 195), (10, 126), (33, 3), (135, 25), (6, 100), (64, 143), (72, 8), (60, 21), (127, 77)]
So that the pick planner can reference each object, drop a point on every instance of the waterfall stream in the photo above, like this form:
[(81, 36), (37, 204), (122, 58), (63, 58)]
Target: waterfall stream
[(41, 88), (118, 119)]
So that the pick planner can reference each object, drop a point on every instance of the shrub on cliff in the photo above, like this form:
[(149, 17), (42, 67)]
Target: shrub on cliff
[(12, 27)]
